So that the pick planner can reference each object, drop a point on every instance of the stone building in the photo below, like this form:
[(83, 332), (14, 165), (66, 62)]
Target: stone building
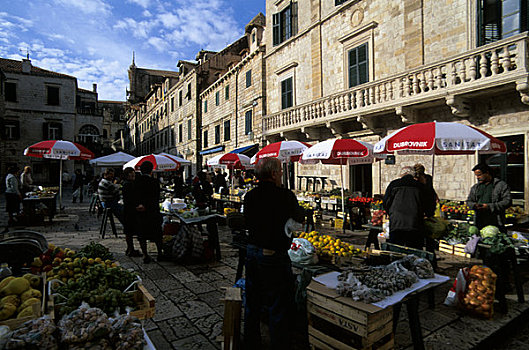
[(362, 69), (46, 105), (233, 106), (168, 117), (114, 126)]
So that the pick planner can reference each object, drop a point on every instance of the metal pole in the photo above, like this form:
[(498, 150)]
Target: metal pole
[(60, 184), (343, 199), (433, 166)]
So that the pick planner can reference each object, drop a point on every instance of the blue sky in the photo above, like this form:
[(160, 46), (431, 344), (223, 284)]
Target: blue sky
[(93, 40)]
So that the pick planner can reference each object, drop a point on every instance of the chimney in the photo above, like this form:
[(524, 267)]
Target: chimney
[(94, 87), (26, 65)]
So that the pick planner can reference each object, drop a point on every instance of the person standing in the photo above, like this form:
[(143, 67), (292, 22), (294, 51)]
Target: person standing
[(13, 195), (78, 184), (238, 181), (179, 183), (220, 181), (130, 201), (490, 197), (109, 195), (269, 278), (148, 214), (26, 181), (202, 190), (407, 202)]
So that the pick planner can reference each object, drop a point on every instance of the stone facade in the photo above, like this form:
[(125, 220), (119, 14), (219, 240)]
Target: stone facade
[(169, 117), (416, 72), (114, 131), (234, 105)]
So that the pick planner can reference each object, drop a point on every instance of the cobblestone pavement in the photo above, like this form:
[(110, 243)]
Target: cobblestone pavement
[(189, 312)]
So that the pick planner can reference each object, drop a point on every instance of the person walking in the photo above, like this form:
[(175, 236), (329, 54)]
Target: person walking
[(78, 184), (269, 278), (109, 195), (407, 202), (26, 181), (490, 197), (148, 214), (130, 201), (13, 195)]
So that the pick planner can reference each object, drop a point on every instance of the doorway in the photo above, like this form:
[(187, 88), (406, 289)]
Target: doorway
[(361, 179)]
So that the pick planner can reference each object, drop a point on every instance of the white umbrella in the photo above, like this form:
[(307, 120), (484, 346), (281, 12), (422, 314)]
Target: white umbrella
[(112, 160), (180, 160), (160, 163)]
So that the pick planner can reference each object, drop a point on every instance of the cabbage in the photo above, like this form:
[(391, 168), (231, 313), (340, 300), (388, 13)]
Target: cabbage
[(473, 230), (489, 231)]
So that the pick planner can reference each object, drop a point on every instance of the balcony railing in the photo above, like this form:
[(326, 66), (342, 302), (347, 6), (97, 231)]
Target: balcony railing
[(492, 65)]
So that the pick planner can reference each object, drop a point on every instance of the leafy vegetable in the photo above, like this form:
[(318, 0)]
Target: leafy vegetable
[(489, 231), (499, 243)]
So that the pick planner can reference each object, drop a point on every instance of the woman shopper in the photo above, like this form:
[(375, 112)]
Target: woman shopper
[(13, 195), (78, 184), (26, 181), (130, 202)]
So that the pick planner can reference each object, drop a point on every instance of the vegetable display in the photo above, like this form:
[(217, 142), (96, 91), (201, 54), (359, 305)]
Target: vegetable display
[(33, 334), (377, 216), (479, 298), (95, 250), (17, 296), (329, 246)]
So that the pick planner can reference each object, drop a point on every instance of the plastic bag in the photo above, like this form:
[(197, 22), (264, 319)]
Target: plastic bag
[(457, 292), (33, 334), (302, 252), (84, 324)]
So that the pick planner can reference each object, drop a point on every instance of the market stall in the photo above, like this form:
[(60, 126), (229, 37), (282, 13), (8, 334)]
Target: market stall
[(38, 204), (70, 299)]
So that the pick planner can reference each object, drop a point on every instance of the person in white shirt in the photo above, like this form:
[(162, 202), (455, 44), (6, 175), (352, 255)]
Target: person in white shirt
[(26, 181)]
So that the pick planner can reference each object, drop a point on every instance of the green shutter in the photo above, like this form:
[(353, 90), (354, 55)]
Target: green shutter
[(276, 29)]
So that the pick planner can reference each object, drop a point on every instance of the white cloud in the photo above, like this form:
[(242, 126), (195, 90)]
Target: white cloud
[(146, 13), (87, 6), (139, 29), (142, 3), (159, 44)]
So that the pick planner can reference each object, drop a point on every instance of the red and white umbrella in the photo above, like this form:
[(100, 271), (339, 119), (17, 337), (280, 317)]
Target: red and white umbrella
[(178, 159), (59, 149), (160, 162), (339, 151), (230, 160), (284, 150), (440, 138)]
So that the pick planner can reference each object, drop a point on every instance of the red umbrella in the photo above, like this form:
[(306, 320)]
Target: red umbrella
[(59, 149), (160, 162), (283, 150), (231, 160)]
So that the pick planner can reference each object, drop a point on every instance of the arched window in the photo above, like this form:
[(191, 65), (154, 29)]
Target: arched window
[(88, 134)]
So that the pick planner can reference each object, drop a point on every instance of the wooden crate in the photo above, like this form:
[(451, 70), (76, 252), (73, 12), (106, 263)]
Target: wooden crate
[(458, 249), (145, 303), (38, 310), (337, 322)]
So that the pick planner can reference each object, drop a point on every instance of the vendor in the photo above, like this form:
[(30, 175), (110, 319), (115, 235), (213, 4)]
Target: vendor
[(489, 198), (269, 278), (26, 181)]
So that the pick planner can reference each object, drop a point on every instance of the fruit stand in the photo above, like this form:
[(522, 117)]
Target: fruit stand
[(73, 292)]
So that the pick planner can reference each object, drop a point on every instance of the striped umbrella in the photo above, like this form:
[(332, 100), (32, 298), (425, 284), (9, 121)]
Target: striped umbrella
[(160, 162)]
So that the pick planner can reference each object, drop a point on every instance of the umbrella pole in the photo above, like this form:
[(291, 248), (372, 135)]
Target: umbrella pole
[(433, 166), (60, 184), (343, 199)]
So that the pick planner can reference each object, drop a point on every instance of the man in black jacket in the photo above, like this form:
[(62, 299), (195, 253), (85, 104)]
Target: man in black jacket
[(269, 278), (407, 202)]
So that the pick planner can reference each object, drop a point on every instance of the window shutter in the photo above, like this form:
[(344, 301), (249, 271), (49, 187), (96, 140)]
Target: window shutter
[(17, 130), (294, 17), (276, 29), (45, 131), (59, 132)]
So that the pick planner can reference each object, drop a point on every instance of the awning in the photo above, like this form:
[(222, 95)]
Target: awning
[(247, 150), (212, 150)]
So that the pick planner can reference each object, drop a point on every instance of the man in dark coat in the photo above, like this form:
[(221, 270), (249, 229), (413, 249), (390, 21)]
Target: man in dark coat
[(130, 202), (407, 202), (269, 277), (202, 191), (148, 210)]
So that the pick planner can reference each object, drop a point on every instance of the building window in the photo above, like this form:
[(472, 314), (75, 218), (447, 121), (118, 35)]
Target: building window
[(286, 93), (172, 137), (10, 92), (180, 98), (52, 131), (285, 23), (11, 130), (217, 98), (248, 122), (205, 106), (227, 92), (217, 134), (53, 95), (339, 2), (253, 37), (499, 19), (205, 139), (88, 134), (188, 95), (358, 65), (172, 104), (227, 130), (249, 78), (180, 133), (189, 131)]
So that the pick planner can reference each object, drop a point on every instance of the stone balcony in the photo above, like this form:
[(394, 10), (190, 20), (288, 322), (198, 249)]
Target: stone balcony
[(502, 65)]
